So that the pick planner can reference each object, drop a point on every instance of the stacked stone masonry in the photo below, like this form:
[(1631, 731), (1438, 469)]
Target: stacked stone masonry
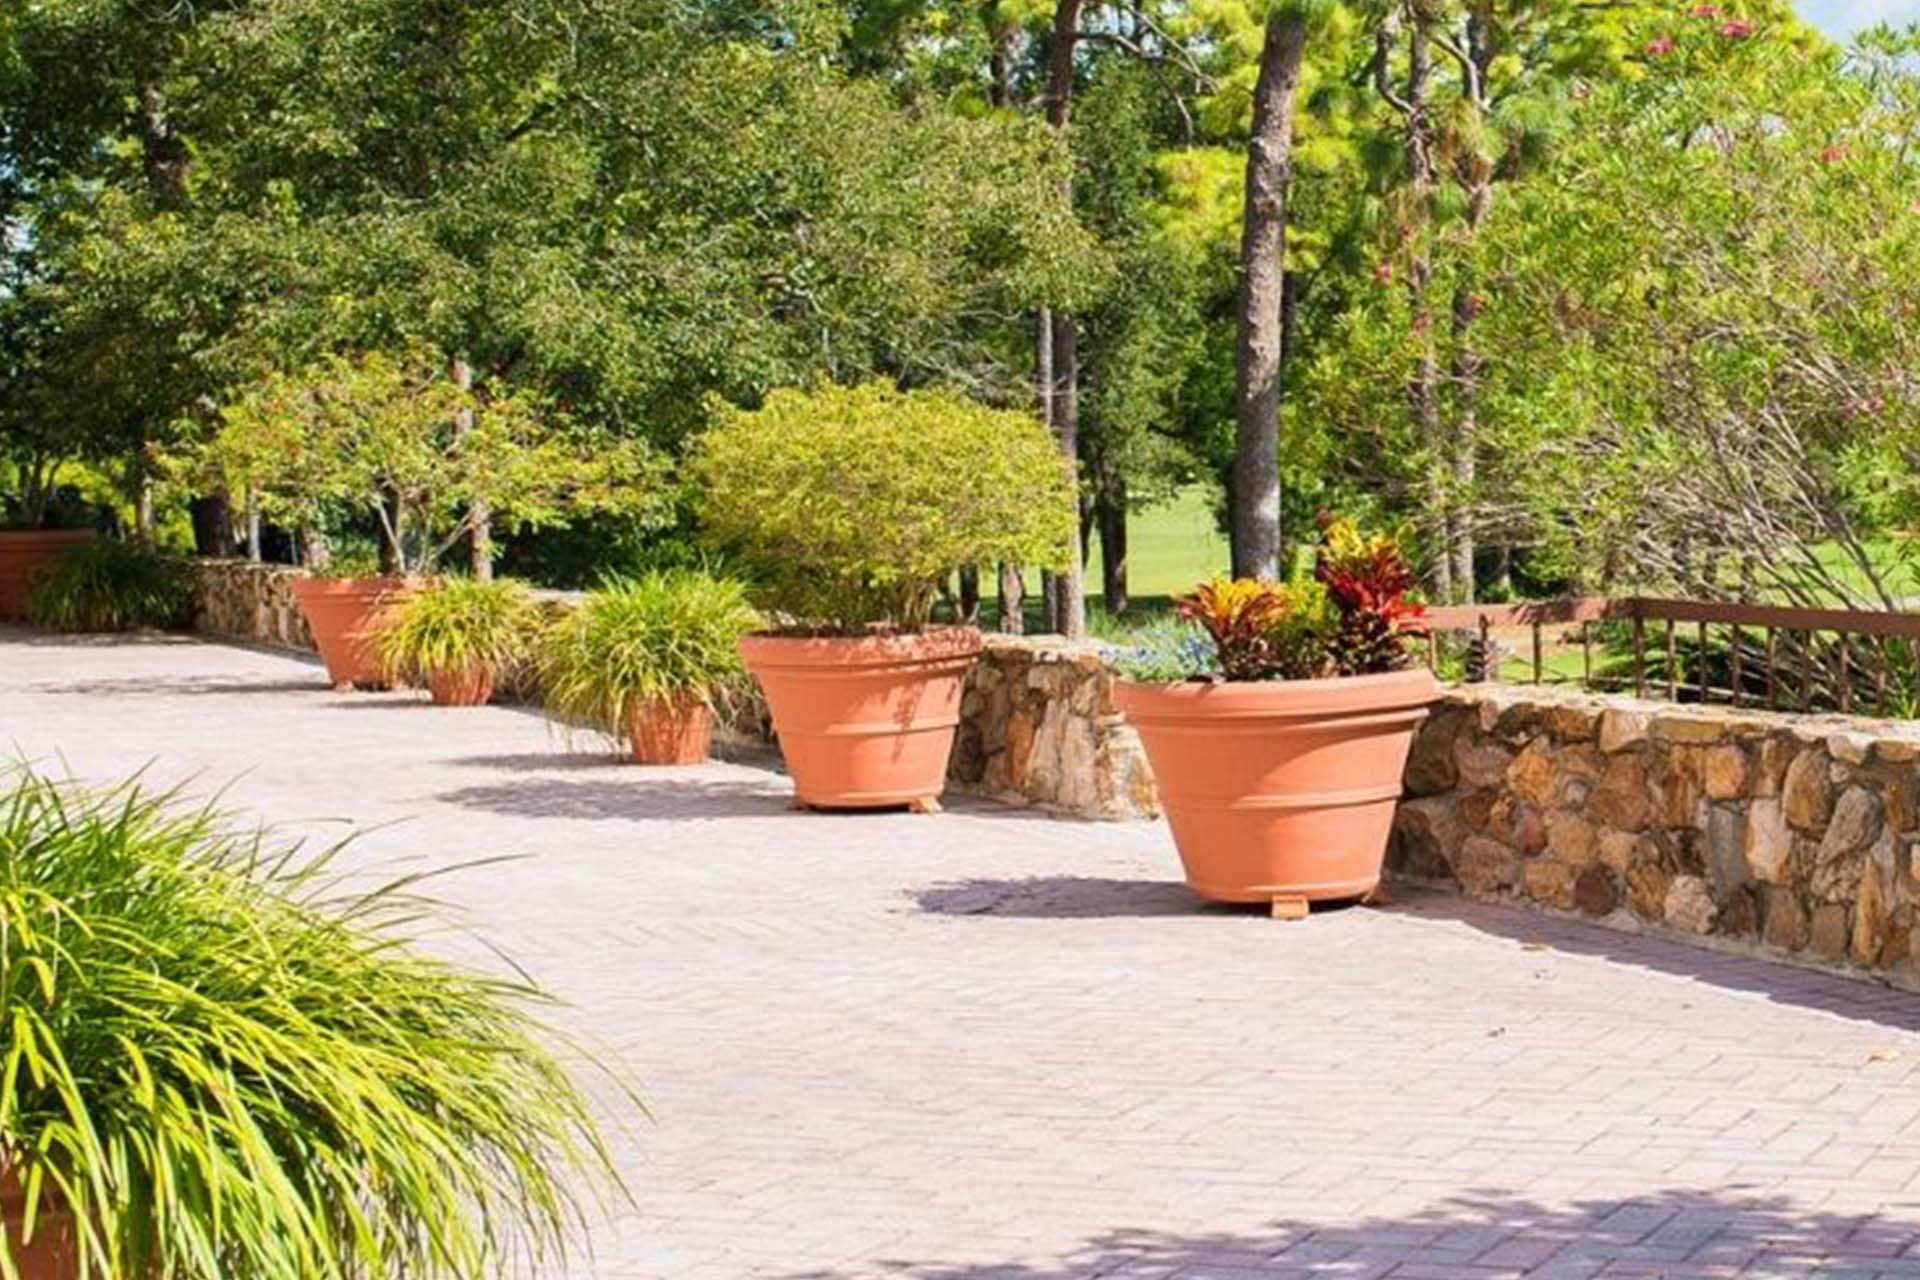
[(242, 600), (1037, 727), (1789, 834)]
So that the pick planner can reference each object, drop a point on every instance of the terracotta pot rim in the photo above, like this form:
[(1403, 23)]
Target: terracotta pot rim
[(1412, 689), (681, 700), (308, 584), (793, 649)]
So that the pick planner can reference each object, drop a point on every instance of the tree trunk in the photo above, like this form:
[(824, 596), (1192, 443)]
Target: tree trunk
[(969, 602), (1013, 606), (316, 553), (1066, 600), (253, 527), (1043, 332), (1263, 246), (163, 155), (1423, 400), (1110, 514), (1000, 37), (213, 533), (393, 547), (1474, 169), (1466, 376), (479, 516), (1423, 389), (36, 489), (142, 501), (1070, 592)]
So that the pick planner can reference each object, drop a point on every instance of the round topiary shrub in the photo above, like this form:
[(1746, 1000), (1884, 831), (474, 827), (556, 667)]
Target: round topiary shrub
[(855, 504)]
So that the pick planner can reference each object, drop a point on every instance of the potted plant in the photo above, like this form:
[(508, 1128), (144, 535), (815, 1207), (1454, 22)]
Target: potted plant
[(855, 505), (36, 440), (427, 459), (107, 585), (1278, 753), (223, 1064), (457, 636), (649, 658), (26, 555)]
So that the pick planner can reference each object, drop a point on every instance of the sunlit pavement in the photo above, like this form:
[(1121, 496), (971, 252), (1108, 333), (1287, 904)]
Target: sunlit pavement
[(993, 1044)]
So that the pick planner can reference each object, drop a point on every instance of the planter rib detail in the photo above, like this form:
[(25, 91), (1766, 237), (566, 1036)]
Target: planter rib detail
[(1283, 789)]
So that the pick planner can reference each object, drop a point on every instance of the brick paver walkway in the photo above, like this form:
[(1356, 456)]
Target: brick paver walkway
[(991, 1045)]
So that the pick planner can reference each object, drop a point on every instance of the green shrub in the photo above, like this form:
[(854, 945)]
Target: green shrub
[(231, 1068), (667, 633), (854, 504), (106, 585), (455, 624)]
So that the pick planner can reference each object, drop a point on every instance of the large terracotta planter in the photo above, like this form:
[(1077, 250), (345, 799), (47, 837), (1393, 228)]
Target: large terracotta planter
[(1280, 790), (864, 721), (469, 687), (24, 555), (49, 1255), (341, 613), (671, 731)]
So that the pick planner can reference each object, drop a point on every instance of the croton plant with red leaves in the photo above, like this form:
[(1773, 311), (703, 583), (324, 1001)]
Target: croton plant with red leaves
[(1352, 617), (1370, 584), (1241, 616)]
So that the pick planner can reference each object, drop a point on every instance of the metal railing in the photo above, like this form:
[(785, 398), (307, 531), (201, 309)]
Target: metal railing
[(1693, 650)]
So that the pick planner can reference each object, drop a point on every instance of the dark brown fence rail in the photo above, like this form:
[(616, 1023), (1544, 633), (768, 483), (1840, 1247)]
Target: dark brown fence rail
[(1696, 650)]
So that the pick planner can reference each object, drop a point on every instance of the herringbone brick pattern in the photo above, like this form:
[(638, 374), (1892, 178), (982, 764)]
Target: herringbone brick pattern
[(993, 1046)]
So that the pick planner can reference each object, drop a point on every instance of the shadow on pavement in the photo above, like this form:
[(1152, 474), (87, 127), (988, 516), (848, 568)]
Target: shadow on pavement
[(1088, 897), (1068, 897), (175, 686), (1858, 998), (1674, 1233), (635, 795)]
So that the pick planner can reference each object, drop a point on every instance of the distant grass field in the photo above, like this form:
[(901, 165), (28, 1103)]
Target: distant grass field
[(1169, 549), (1173, 546)]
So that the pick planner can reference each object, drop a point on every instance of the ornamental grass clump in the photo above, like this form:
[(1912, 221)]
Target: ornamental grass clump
[(108, 585), (227, 1066), (455, 625), (854, 505), (667, 635)]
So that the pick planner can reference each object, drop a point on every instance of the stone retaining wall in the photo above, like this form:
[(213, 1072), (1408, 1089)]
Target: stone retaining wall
[(1788, 834), (242, 600), (1037, 726), (1791, 835)]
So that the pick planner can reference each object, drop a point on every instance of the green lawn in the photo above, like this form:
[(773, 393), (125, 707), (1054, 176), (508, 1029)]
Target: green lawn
[(1170, 548), (1178, 544)]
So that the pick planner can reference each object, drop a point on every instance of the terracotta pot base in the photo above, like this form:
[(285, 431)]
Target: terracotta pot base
[(671, 731), (341, 613), (472, 687), (24, 555), (1283, 789), (49, 1255), (864, 722)]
